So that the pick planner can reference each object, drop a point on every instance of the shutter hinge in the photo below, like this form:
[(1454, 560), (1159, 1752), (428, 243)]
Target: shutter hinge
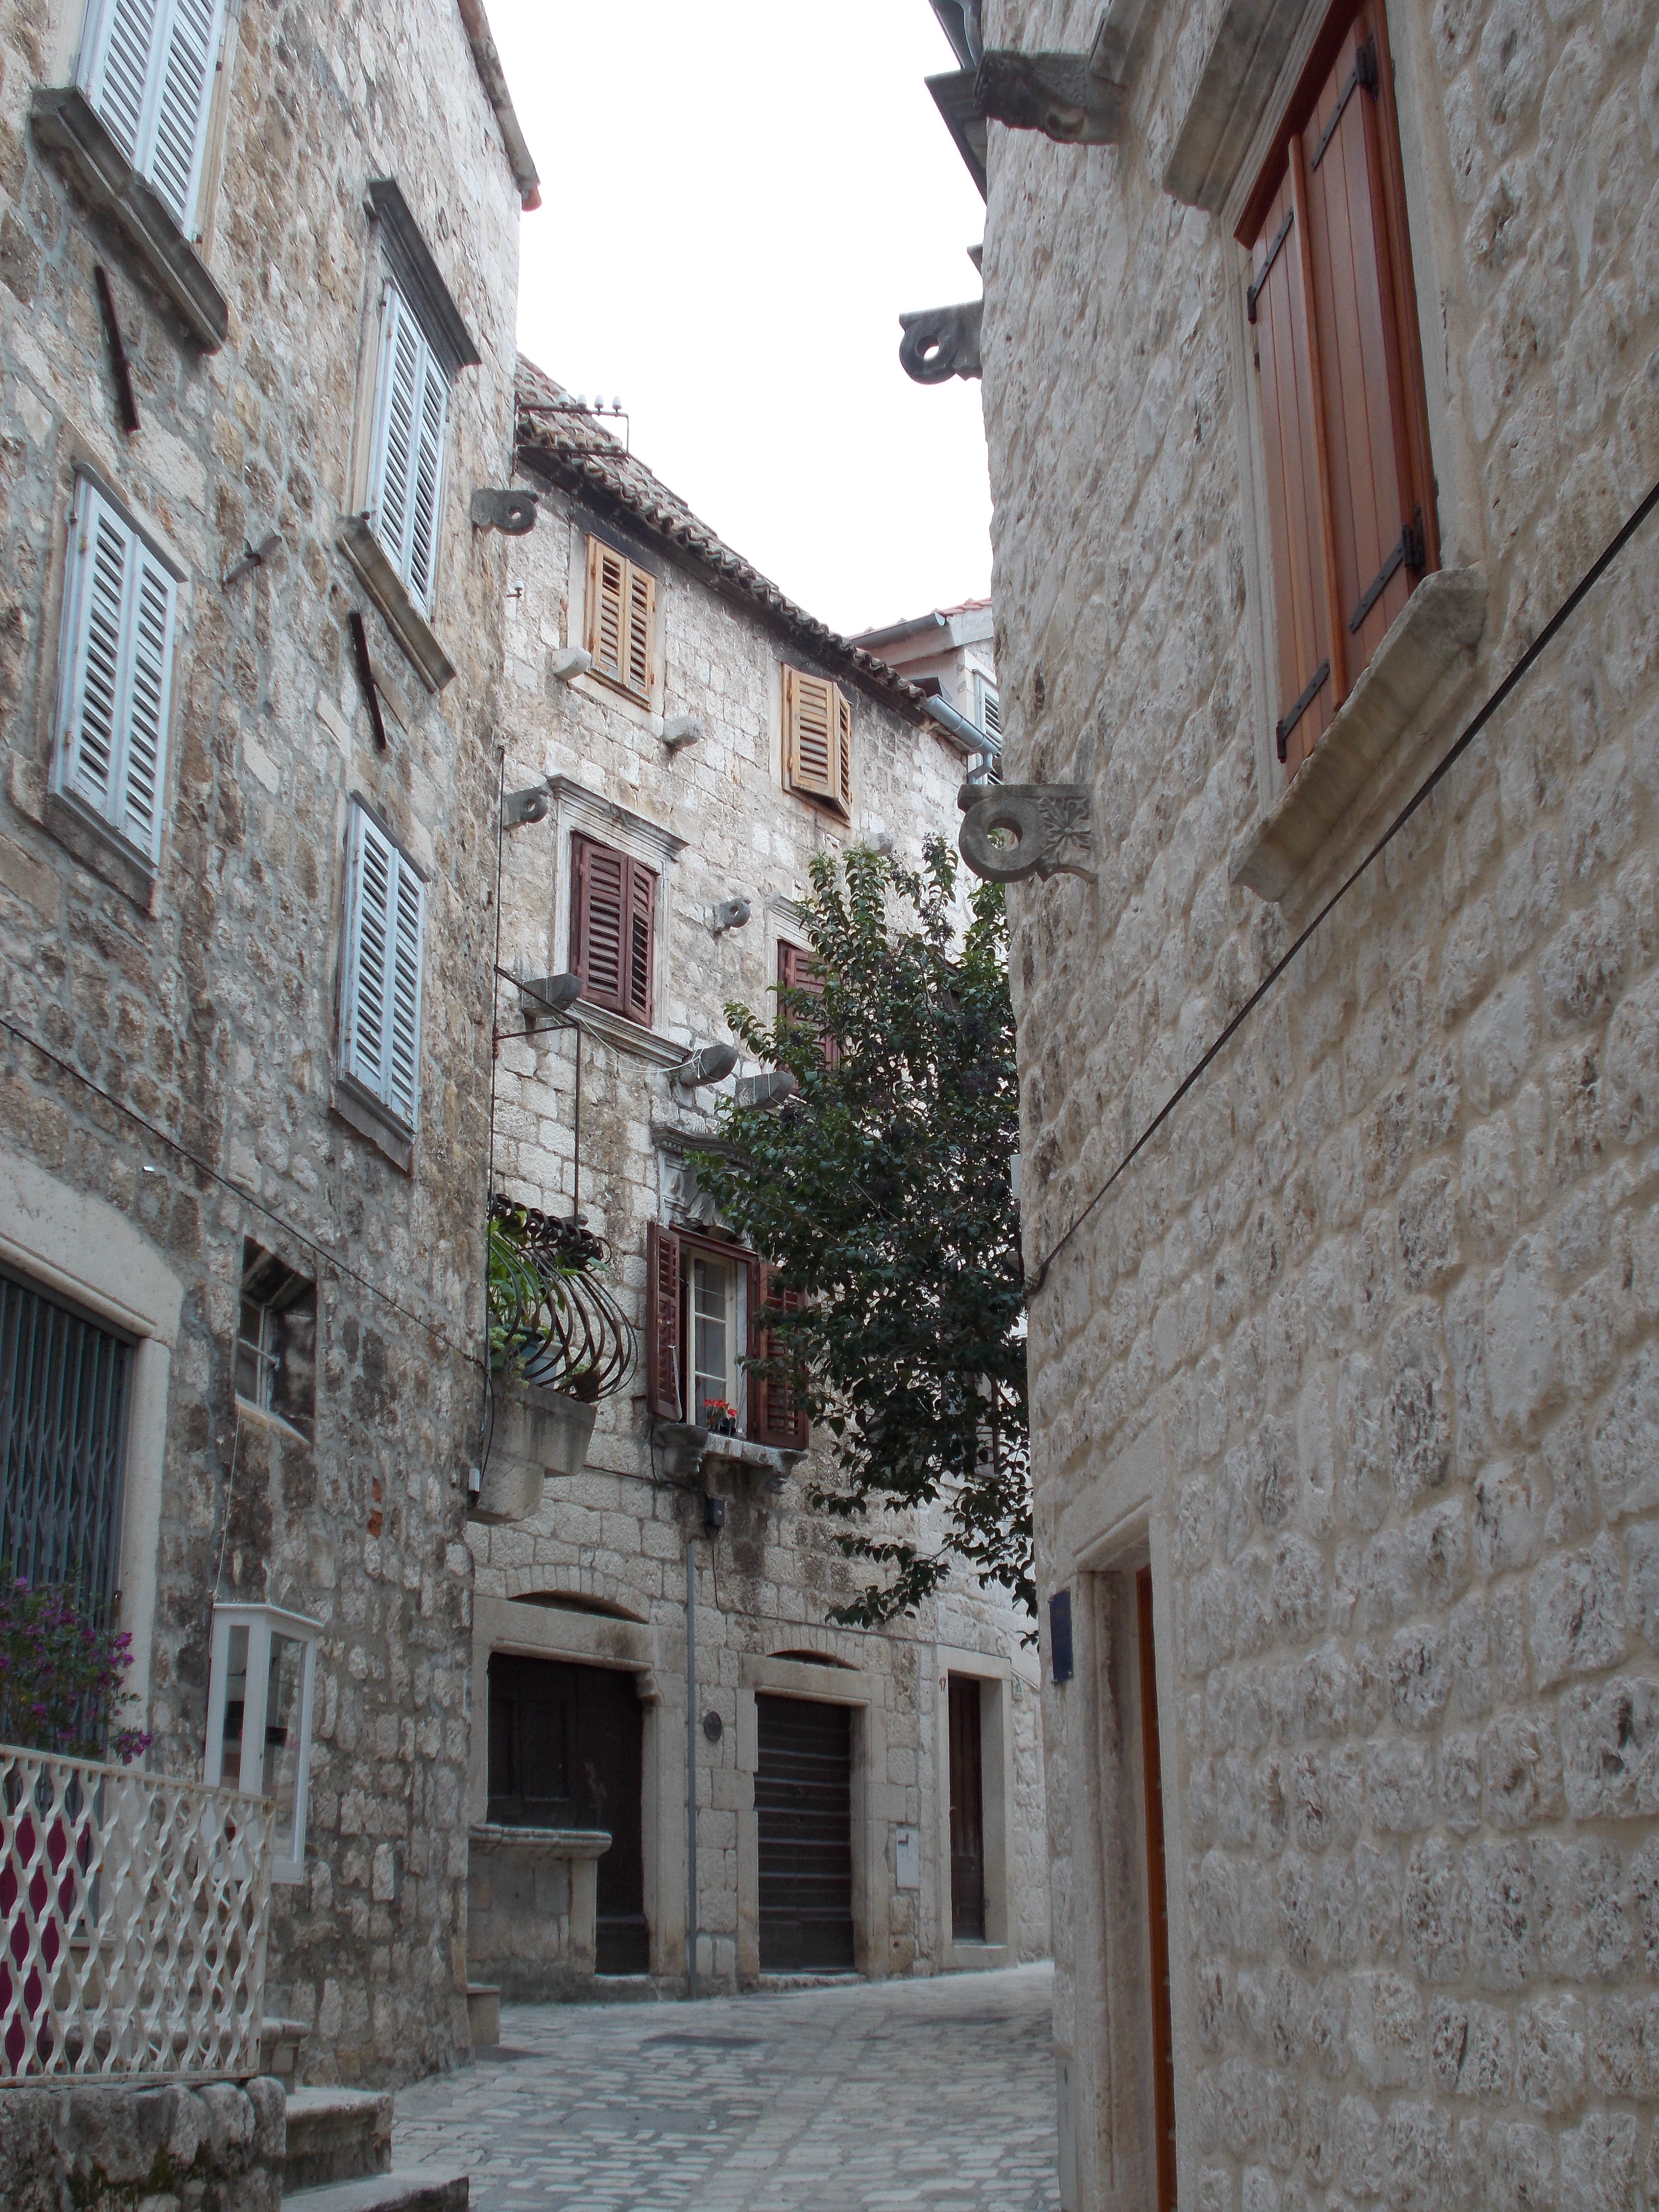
[(1408, 554), (1288, 722), (1255, 292), (1364, 73)]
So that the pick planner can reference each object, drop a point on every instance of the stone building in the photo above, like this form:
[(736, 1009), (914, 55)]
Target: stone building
[(1321, 357), (680, 740), (257, 273), (948, 654)]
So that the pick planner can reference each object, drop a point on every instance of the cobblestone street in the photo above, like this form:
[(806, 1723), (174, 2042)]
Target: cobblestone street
[(853, 2099)]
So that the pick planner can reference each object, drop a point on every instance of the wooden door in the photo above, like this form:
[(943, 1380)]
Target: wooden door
[(967, 1812), (804, 1801), (1158, 1913), (567, 1750)]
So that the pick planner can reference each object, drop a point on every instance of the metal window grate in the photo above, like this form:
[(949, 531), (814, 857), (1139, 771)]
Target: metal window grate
[(64, 1388)]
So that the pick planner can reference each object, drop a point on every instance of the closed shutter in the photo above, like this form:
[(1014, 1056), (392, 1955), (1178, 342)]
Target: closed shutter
[(121, 607), (775, 1413), (613, 929), (804, 1825), (380, 1024), (812, 738), (621, 603), (798, 971), (148, 69), (844, 752), (406, 485), (662, 1322), (1344, 419)]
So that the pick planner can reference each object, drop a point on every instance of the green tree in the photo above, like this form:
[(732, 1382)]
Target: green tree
[(882, 1192)]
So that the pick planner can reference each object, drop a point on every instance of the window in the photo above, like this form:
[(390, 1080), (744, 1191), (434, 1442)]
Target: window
[(708, 1307), (817, 740), (622, 609), (381, 990), (259, 1700), (120, 609), (65, 1386), (276, 1340), (987, 708), (146, 66), (612, 928), (406, 465), (798, 971), (1333, 314)]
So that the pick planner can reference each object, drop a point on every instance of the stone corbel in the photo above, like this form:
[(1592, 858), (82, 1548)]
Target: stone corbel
[(1058, 94), (940, 343), (1049, 825)]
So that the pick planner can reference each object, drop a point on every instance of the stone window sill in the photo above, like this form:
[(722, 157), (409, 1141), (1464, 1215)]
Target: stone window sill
[(1433, 640), (627, 1037), (65, 120), (367, 557), (688, 1451), (98, 848), (371, 1119)]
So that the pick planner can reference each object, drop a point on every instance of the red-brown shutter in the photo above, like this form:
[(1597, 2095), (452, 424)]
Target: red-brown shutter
[(798, 971), (1295, 503), (612, 929), (775, 1414), (662, 1320), (1378, 506), (642, 921)]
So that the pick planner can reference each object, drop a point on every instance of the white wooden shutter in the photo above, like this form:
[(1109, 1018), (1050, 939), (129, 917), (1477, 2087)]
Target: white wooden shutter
[(119, 613), (380, 1023), (147, 67), (406, 479)]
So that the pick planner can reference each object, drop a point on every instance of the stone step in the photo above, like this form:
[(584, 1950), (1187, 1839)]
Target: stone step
[(430, 2190), (336, 2135)]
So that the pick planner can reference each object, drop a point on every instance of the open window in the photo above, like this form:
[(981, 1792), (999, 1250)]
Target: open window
[(1334, 338), (708, 1306), (259, 1703), (277, 1341)]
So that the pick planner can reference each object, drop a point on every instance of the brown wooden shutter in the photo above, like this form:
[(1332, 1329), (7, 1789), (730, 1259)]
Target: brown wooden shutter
[(798, 971), (597, 933), (1378, 509), (662, 1320), (641, 922), (775, 1415), (642, 611)]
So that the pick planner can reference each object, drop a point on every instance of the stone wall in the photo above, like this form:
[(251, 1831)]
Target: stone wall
[(614, 1536), (182, 1086), (1360, 1351), (103, 2146)]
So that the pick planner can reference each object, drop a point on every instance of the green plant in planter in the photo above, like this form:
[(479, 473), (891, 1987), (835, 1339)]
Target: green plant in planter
[(63, 1677), (552, 1323)]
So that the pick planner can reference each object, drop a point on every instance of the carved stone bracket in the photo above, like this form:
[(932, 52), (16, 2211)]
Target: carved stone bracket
[(940, 343), (1050, 826), (1058, 94)]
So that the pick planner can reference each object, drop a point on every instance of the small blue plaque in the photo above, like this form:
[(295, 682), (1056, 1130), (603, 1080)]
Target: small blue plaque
[(1059, 1635)]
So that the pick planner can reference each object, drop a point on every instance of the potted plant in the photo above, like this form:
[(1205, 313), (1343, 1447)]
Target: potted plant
[(62, 1691), (720, 1417)]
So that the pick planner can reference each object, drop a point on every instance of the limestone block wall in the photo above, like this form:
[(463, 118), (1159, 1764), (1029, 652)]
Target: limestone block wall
[(617, 1534), (1360, 1351), (186, 1044)]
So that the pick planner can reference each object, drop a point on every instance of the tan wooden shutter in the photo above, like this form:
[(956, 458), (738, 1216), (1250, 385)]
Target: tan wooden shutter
[(775, 1413), (809, 735), (597, 937), (642, 941), (621, 607), (843, 749), (642, 611), (662, 1322), (1378, 506)]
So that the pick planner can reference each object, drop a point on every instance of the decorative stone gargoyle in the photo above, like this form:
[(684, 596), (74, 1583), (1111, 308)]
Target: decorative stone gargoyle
[(1060, 95), (1049, 826), (940, 343)]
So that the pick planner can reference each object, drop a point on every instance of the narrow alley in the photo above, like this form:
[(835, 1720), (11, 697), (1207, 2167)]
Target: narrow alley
[(849, 2099)]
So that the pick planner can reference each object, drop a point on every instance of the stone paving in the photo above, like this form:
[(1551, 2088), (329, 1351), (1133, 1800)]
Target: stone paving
[(857, 2098)]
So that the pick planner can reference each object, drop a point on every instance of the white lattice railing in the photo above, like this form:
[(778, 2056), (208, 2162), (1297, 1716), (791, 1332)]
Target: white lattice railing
[(134, 1912)]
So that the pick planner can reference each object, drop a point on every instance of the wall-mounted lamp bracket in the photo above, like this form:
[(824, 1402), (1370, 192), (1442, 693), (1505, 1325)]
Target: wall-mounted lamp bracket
[(512, 512), (683, 730), (940, 343), (546, 994), (253, 556), (1057, 94), (730, 913), (569, 660), (533, 804), (1050, 825)]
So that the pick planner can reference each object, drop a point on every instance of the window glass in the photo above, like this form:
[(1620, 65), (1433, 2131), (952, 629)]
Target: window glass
[(279, 1778), (711, 1334), (230, 1756)]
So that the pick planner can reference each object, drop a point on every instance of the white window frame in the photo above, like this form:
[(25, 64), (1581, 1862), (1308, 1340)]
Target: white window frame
[(736, 1272), (143, 81), (262, 1623), (408, 538), (369, 1008), (117, 583)]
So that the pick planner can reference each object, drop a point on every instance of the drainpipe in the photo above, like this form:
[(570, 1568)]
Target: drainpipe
[(692, 1760)]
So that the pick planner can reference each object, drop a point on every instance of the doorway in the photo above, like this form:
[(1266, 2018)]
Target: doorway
[(804, 1805), (567, 1750), (967, 1810)]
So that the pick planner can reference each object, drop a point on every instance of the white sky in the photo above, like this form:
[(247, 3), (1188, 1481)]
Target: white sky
[(738, 199)]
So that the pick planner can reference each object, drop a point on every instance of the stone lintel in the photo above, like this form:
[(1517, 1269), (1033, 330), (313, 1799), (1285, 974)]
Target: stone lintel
[(543, 1842), (374, 571), (1252, 42), (420, 277), (65, 120), (1439, 626)]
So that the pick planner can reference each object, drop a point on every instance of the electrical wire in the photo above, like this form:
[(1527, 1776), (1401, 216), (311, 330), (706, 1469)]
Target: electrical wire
[(1592, 576), (319, 1251)]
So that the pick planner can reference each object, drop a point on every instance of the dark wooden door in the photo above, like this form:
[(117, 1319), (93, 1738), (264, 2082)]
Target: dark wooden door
[(966, 1813), (804, 1799), (567, 1750), (1157, 1915)]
